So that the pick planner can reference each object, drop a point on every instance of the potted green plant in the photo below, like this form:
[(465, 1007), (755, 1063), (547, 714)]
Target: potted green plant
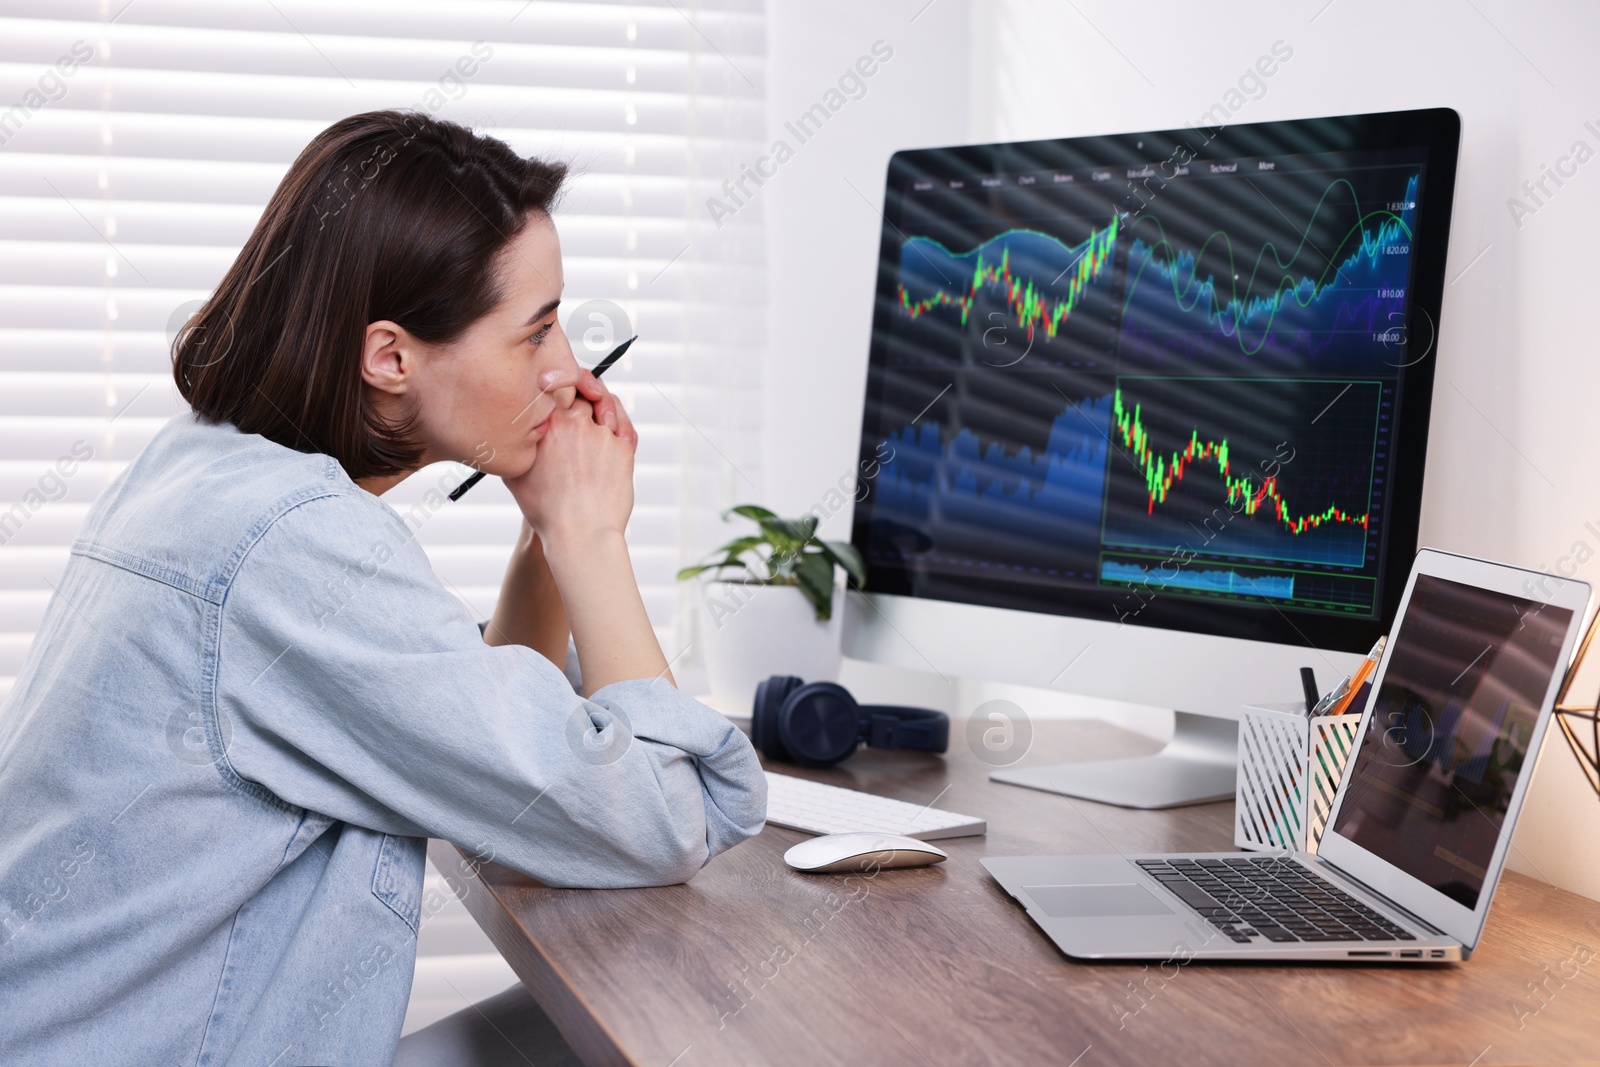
[(753, 625)]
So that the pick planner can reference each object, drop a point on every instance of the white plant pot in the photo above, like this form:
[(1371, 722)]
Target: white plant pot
[(752, 631)]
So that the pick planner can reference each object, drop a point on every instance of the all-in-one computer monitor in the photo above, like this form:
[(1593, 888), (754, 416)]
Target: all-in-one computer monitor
[(1146, 418)]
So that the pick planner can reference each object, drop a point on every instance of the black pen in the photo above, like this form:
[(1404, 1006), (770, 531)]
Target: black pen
[(1308, 682), (599, 369)]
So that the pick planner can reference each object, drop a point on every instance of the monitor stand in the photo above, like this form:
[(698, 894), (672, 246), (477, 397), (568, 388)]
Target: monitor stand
[(1198, 765)]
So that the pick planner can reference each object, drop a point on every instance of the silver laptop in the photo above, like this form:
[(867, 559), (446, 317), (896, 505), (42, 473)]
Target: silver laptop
[(1421, 823)]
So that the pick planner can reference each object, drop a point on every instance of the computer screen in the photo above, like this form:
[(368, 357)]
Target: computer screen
[(1175, 379), (1449, 730)]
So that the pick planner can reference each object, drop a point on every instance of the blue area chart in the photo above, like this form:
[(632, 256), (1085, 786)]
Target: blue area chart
[(1053, 495), (1324, 302), (1199, 579)]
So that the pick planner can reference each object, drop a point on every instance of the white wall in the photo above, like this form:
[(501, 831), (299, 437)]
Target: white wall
[(823, 211), (1515, 382)]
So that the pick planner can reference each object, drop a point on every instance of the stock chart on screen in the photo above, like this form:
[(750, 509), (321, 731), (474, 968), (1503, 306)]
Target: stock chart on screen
[(1108, 372)]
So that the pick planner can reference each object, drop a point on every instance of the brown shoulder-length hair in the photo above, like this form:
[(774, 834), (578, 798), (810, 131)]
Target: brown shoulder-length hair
[(385, 215)]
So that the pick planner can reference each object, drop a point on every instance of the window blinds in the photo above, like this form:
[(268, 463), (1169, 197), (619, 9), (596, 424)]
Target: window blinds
[(140, 140)]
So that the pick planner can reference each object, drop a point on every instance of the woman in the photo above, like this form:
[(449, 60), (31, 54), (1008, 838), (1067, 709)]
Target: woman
[(250, 699)]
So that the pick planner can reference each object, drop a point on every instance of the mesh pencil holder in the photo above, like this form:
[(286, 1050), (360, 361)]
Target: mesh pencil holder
[(1289, 768)]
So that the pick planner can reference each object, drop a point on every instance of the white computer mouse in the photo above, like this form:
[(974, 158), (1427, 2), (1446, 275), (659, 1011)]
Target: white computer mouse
[(860, 852)]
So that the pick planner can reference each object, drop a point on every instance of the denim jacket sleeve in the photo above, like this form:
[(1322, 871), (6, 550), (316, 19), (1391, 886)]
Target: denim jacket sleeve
[(356, 686)]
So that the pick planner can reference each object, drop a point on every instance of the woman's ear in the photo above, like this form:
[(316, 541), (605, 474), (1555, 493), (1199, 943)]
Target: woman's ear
[(388, 357)]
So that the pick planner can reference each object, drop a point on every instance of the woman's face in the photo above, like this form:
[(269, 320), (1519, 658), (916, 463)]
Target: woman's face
[(484, 400)]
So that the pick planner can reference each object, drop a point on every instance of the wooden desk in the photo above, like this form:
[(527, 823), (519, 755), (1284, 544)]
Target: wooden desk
[(752, 963)]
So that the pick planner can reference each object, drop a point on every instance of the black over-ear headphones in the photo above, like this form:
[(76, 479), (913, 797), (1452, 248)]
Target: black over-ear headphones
[(818, 724)]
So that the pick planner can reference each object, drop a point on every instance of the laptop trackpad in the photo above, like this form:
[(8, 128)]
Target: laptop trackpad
[(1091, 901)]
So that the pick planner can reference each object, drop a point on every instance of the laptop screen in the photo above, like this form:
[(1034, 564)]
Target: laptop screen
[(1438, 764)]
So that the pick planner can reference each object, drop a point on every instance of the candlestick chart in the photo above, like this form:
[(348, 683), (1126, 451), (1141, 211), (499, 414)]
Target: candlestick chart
[(1333, 286), (1273, 469), (1267, 469), (1019, 292), (1019, 266)]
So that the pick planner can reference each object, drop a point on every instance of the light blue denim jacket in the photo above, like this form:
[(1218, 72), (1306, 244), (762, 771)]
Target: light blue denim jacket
[(248, 704)]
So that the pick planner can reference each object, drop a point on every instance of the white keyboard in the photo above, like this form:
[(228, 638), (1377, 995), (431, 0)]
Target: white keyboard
[(814, 808)]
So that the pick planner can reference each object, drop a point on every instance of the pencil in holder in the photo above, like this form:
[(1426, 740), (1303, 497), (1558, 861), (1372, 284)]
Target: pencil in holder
[(1289, 770)]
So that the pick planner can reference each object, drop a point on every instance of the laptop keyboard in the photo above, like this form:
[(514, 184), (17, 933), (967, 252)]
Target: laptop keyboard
[(1270, 897)]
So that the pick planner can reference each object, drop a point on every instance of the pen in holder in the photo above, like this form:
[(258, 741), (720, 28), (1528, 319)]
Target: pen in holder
[(1289, 769)]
